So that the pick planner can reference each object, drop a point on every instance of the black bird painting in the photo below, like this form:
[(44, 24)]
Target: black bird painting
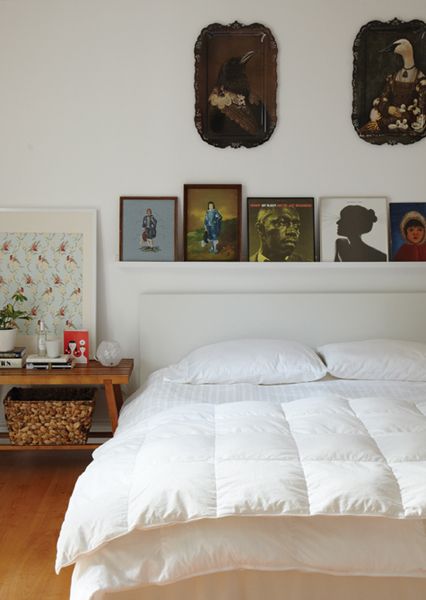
[(235, 84), (233, 107)]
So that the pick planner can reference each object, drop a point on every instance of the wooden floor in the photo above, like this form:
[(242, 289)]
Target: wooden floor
[(34, 491)]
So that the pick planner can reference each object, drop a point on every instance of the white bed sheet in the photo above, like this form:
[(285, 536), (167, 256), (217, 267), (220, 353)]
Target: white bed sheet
[(158, 395), (132, 561)]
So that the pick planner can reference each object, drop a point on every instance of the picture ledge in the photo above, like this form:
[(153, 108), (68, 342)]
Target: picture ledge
[(272, 265)]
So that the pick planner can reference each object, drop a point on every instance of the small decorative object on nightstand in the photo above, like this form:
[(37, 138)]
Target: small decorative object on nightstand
[(109, 354), (9, 314), (41, 338)]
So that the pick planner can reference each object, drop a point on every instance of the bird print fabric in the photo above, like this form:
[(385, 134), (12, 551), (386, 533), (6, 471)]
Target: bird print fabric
[(48, 268)]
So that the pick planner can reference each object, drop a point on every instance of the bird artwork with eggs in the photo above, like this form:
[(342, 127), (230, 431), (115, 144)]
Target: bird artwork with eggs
[(235, 84), (389, 82)]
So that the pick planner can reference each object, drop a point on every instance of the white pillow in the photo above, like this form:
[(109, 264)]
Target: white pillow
[(376, 359), (249, 361)]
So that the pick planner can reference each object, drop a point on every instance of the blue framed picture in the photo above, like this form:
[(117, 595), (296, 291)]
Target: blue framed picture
[(408, 231), (148, 228)]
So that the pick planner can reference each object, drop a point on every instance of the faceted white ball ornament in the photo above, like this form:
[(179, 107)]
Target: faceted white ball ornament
[(109, 354)]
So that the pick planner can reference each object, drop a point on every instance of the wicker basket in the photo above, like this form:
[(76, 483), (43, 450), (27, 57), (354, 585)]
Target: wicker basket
[(49, 416)]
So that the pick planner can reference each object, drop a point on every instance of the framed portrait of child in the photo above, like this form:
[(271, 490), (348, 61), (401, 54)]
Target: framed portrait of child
[(408, 231), (212, 222)]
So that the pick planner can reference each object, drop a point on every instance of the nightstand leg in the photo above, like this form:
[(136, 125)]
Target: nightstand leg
[(111, 403), (118, 396)]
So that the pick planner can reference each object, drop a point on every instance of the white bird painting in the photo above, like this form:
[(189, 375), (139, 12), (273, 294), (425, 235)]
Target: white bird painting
[(401, 105)]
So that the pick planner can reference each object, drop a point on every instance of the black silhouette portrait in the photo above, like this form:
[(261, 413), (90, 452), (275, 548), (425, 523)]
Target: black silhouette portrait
[(355, 221), (235, 84)]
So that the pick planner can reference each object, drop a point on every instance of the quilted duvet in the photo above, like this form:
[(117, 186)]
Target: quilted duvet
[(319, 456)]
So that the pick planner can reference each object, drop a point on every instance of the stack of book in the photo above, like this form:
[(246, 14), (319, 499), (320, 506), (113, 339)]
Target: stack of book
[(14, 359), (64, 361)]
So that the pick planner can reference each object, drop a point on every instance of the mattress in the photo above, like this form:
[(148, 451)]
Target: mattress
[(346, 546)]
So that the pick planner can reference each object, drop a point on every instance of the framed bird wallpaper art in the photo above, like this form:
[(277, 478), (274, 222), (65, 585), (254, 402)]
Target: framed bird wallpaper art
[(389, 82), (235, 85)]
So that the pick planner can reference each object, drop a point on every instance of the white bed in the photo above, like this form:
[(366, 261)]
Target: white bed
[(315, 556)]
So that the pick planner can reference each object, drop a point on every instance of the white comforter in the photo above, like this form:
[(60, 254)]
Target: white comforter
[(328, 456)]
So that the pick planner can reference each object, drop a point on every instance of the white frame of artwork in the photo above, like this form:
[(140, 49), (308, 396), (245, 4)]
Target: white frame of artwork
[(347, 201), (62, 220)]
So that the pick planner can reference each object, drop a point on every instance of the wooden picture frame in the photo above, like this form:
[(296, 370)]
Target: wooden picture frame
[(235, 84), (389, 82), (354, 229), (280, 229), (148, 228), (212, 222)]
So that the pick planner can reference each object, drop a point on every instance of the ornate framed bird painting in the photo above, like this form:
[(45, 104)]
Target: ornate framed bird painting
[(389, 82), (235, 85)]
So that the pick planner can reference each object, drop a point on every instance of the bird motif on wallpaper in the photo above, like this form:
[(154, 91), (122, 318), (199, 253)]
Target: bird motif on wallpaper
[(57, 280), (62, 248), (70, 263), (14, 262), (29, 279), (47, 295), (42, 263), (61, 312), (76, 295), (233, 107), (34, 247)]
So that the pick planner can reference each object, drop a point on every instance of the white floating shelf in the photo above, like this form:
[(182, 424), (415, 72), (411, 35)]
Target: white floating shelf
[(271, 265)]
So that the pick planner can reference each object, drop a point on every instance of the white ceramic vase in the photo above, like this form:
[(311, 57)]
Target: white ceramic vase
[(7, 339)]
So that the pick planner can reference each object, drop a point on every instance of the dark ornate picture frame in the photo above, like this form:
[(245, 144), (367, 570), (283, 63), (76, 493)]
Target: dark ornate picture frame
[(389, 82), (235, 84)]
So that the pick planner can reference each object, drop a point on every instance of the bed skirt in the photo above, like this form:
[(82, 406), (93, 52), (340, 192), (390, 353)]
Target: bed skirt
[(290, 585)]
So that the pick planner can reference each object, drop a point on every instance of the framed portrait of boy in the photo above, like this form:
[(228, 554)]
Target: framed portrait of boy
[(148, 228), (389, 82), (354, 229), (212, 222), (280, 229), (408, 231)]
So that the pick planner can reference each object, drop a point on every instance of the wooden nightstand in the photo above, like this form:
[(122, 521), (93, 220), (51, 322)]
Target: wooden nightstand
[(111, 378)]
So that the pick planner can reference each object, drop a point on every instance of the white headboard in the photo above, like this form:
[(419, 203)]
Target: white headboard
[(173, 324)]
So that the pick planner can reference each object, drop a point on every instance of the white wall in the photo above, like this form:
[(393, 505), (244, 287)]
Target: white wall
[(97, 101)]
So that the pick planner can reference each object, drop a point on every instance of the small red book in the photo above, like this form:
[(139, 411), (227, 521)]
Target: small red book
[(76, 343)]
